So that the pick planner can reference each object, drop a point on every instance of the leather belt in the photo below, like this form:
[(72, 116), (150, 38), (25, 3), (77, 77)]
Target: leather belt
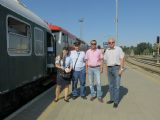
[(94, 66), (113, 65)]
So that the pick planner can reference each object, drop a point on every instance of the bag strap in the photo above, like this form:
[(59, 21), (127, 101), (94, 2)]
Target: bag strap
[(64, 61), (76, 61)]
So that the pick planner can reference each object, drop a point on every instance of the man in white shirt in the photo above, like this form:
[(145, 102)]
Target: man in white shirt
[(114, 58), (79, 71)]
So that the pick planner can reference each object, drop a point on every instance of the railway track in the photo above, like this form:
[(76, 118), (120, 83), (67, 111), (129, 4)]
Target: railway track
[(148, 61), (148, 64)]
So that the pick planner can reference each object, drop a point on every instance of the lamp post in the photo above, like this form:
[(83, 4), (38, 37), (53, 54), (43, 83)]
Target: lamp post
[(81, 20), (158, 48), (116, 21), (158, 44)]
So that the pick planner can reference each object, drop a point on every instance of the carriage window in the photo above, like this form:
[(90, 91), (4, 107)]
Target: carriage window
[(18, 37), (64, 38), (70, 41), (38, 42)]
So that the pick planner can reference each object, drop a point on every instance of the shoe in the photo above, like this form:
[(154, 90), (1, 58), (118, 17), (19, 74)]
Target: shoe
[(84, 97), (100, 100), (115, 105), (66, 100), (56, 100), (110, 102), (74, 97), (92, 98)]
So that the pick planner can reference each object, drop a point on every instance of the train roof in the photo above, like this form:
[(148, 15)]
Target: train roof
[(19, 8), (57, 28)]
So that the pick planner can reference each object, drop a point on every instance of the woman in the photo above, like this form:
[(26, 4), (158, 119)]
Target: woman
[(63, 62)]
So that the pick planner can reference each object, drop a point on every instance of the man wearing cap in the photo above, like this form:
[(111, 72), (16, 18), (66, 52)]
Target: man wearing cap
[(79, 71)]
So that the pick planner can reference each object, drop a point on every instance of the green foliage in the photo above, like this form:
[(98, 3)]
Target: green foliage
[(141, 49), (144, 49)]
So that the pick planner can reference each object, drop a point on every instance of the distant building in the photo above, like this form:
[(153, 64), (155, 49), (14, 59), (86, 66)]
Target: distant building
[(105, 45)]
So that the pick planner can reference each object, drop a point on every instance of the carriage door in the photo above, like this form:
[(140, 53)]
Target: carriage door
[(51, 53)]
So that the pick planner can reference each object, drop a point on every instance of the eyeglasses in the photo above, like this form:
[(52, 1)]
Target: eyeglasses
[(111, 42), (93, 43)]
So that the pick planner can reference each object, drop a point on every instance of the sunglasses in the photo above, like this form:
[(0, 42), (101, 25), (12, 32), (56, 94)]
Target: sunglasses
[(93, 43), (111, 42)]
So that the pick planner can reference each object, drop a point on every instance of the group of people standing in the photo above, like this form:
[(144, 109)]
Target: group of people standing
[(91, 62)]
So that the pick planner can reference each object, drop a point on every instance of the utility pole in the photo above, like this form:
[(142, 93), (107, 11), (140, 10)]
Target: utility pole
[(116, 21), (158, 48)]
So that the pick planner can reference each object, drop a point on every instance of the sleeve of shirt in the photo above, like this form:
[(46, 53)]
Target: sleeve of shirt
[(101, 55), (83, 54), (57, 60), (86, 56), (105, 57), (121, 53)]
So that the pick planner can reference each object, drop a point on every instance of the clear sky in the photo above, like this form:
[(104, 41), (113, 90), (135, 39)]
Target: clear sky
[(139, 20)]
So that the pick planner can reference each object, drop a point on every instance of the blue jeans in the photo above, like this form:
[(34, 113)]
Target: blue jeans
[(81, 75), (95, 72), (114, 83)]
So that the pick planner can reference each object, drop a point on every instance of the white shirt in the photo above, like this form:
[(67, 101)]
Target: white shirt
[(68, 62), (80, 61), (113, 56)]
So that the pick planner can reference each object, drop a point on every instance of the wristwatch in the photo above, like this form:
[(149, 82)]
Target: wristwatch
[(122, 69)]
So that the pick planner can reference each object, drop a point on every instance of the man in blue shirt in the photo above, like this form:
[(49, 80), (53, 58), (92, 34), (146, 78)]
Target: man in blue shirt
[(79, 71)]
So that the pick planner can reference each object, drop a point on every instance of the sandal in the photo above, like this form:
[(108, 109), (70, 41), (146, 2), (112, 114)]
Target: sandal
[(56, 100), (66, 100)]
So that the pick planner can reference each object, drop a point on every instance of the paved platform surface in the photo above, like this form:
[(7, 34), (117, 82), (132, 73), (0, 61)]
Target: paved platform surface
[(139, 100)]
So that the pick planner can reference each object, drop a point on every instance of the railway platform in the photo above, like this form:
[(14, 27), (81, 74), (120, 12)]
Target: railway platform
[(139, 100)]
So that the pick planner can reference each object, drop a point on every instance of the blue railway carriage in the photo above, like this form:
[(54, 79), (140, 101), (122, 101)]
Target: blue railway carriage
[(24, 41)]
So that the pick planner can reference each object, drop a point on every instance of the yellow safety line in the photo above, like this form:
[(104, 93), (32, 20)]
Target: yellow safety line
[(48, 110)]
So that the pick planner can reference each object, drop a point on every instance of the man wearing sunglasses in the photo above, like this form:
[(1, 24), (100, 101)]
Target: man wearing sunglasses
[(114, 58), (94, 61)]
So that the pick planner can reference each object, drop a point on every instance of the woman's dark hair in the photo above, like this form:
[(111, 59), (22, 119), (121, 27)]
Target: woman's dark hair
[(64, 48)]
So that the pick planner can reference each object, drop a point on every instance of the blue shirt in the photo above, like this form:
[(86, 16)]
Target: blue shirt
[(80, 64)]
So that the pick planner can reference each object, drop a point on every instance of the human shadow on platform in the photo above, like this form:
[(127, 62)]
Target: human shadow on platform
[(105, 91), (123, 91), (95, 88), (87, 90)]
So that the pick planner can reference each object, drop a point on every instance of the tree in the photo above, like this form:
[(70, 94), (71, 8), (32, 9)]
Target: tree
[(143, 48)]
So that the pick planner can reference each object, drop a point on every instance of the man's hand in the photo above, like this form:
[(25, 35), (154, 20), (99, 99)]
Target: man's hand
[(121, 71)]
